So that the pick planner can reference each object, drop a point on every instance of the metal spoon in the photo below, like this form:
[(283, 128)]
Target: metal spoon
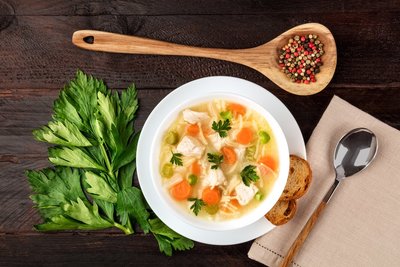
[(353, 153)]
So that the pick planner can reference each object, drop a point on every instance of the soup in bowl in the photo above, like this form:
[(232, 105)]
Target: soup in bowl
[(221, 162)]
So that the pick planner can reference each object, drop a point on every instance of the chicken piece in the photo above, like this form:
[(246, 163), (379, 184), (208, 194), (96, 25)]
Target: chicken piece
[(193, 117), (233, 182), (215, 177), (190, 147), (244, 193), (216, 141), (240, 153)]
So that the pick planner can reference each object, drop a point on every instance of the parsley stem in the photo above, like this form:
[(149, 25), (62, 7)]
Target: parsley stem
[(105, 155), (126, 230)]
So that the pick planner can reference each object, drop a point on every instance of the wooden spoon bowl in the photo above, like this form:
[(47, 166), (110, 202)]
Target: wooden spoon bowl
[(263, 58)]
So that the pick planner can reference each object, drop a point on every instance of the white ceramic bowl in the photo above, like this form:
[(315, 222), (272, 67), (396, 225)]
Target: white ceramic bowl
[(169, 205)]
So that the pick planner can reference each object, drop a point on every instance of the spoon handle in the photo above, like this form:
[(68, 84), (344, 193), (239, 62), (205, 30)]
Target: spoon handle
[(118, 43), (303, 235)]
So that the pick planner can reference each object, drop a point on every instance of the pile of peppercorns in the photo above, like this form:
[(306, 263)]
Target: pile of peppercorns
[(300, 59)]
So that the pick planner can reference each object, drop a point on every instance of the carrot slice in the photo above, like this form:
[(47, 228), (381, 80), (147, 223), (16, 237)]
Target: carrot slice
[(244, 136), (236, 109), (195, 168), (206, 131), (265, 170), (235, 203), (211, 196), (181, 190), (269, 162), (229, 155), (193, 129)]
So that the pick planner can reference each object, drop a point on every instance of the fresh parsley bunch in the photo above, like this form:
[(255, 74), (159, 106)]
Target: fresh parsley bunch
[(91, 185)]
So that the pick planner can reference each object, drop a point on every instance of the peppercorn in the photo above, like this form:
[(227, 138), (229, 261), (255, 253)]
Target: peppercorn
[(300, 58)]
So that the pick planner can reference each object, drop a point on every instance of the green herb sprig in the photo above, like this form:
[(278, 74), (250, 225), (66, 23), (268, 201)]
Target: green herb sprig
[(197, 205), (222, 127), (216, 159), (176, 159), (91, 185), (249, 175)]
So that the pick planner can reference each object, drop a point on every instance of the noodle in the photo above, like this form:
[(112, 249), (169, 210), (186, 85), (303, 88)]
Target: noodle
[(194, 149)]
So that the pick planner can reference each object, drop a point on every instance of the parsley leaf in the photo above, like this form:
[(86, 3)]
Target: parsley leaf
[(62, 133), (88, 116), (168, 239), (197, 205), (99, 187), (62, 202), (91, 186), (249, 174), (222, 128), (176, 159), (131, 205), (73, 157), (216, 159)]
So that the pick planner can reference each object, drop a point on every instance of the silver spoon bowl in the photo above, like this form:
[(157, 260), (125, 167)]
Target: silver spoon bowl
[(353, 153)]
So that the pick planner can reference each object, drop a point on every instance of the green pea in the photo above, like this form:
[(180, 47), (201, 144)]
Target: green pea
[(192, 179), (226, 115), (172, 138), (264, 137), (258, 196), (167, 170), (212, 209)]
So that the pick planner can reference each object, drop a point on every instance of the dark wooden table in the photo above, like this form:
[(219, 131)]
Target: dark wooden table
[(37, 59)]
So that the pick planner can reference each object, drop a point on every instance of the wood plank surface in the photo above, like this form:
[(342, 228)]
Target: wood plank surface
[(179, 7), (41, 45), (37, 59), (94, 249)]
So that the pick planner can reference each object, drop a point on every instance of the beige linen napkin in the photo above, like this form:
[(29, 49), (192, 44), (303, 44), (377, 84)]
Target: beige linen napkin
[(361, 224)]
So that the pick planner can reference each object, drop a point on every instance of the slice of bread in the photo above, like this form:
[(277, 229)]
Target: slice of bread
[(282, 212), (299, 179)]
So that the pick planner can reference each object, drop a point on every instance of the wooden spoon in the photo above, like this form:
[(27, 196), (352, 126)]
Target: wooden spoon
[(263, 58)]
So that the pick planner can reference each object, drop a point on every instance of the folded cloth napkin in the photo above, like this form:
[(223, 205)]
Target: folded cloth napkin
[(361, 224)]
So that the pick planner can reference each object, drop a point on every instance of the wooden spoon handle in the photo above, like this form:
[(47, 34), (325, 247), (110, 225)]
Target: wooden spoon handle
[(303, 235), (118, 43)]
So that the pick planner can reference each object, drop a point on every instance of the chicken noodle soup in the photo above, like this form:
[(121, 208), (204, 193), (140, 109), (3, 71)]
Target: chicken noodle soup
[(218, 160)]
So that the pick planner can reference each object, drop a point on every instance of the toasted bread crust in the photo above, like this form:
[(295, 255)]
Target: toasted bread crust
[(282, 212), (299, 179)]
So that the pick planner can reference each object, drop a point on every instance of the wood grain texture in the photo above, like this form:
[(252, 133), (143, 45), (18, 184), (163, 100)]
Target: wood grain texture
[(42, 45), (97, 249), (179, 7)]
